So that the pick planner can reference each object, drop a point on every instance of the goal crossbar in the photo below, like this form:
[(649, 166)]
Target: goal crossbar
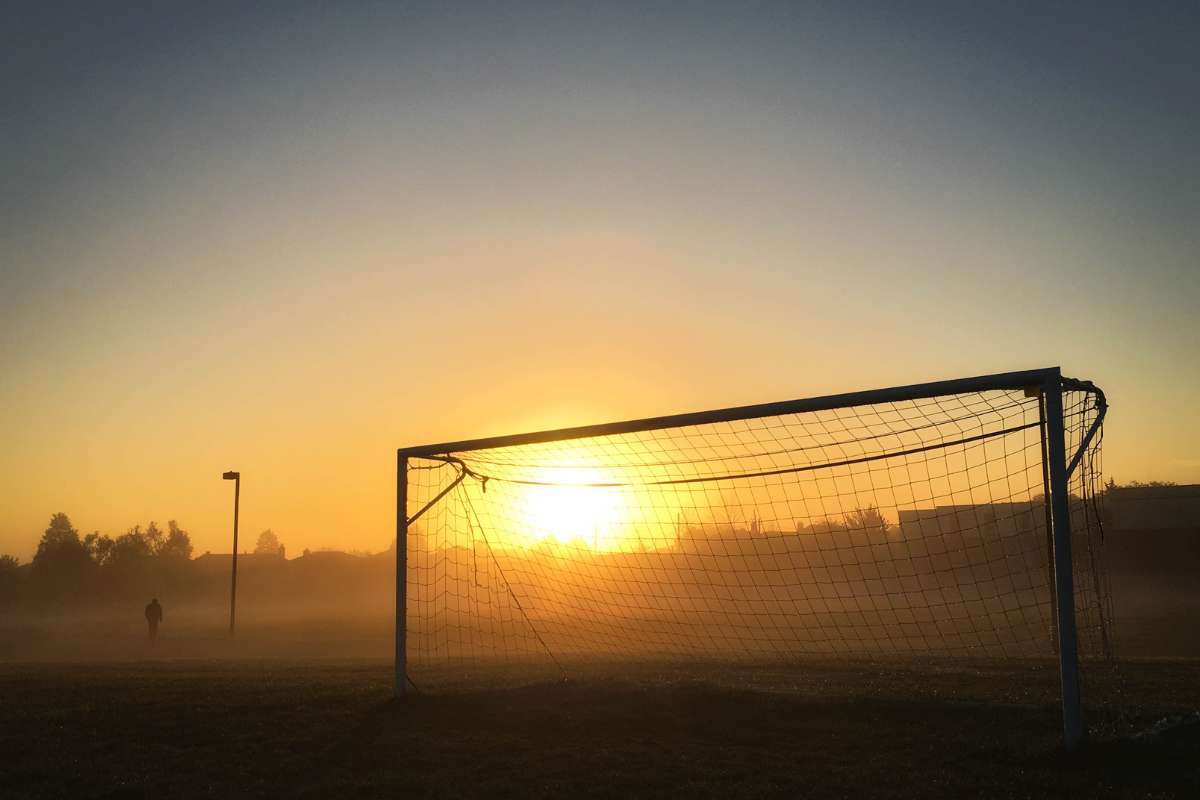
[(917, 391)]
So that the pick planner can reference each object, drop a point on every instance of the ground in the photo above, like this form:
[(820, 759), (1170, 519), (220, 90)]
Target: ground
[(182, 728)]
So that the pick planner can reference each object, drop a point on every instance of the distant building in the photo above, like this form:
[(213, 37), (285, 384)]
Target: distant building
[(1153, 508), (990, 519), (214, 562), (1155, 533), (330, 556), (1150, 530)]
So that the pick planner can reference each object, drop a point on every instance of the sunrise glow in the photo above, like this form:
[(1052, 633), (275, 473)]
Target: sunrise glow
[(571, 512)]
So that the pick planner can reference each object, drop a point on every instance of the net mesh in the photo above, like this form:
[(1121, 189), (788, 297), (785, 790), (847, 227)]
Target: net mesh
[(902, 529)]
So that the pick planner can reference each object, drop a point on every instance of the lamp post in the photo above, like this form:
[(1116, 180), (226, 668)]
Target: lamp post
[(236, 477)]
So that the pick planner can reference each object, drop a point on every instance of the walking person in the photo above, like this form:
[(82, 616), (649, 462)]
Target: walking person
[(154, 616)]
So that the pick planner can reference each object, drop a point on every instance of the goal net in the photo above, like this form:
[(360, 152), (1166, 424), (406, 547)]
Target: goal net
[(907, 522)]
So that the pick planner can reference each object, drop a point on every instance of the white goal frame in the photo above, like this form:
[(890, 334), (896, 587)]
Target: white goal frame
[(1048, 381)]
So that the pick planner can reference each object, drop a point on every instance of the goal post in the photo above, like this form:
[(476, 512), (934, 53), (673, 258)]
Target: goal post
[(401, 637), (906, 522), (1068, 657)]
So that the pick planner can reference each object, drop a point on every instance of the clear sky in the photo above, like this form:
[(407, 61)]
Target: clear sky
[(289, 239)]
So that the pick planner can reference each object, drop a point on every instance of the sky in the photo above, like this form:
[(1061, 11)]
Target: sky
[(289, 238)]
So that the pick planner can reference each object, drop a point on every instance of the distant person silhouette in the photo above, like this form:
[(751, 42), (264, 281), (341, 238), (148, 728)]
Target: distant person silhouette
[(153, 617)]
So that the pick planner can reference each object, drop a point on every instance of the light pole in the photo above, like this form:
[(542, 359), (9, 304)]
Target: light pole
[(236, 477)]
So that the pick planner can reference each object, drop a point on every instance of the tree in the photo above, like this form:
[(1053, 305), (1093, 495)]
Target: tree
[(177, 545), (60, 538), (867, 519), (63, 565), (127, 564), (98, 546), (133, 547), (268, 543), (10, 577), (154, 537)]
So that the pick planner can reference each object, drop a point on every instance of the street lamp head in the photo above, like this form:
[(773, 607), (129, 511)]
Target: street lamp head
[(231, 475)]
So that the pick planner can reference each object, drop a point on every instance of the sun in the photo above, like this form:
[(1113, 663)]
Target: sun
[(569, 512)]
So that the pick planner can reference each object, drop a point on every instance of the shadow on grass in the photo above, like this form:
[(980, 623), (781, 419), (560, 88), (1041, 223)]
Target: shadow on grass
[(612, 739), (1166, 755), (316, 730)]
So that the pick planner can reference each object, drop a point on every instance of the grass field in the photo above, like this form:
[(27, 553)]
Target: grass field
[(187, 728)]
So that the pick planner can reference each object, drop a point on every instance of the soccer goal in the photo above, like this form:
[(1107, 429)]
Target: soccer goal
[(944, 520)]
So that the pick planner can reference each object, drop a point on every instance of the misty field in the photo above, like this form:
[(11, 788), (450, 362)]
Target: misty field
[(269, 728)]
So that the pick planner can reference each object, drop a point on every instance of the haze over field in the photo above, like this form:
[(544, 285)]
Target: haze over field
[(288, 239)]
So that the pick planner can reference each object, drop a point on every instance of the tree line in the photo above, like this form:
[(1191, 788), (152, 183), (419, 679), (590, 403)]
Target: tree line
[(70, 569)]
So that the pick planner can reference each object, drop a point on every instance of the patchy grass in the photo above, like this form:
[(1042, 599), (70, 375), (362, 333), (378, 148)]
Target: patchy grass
[(272, 729)]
